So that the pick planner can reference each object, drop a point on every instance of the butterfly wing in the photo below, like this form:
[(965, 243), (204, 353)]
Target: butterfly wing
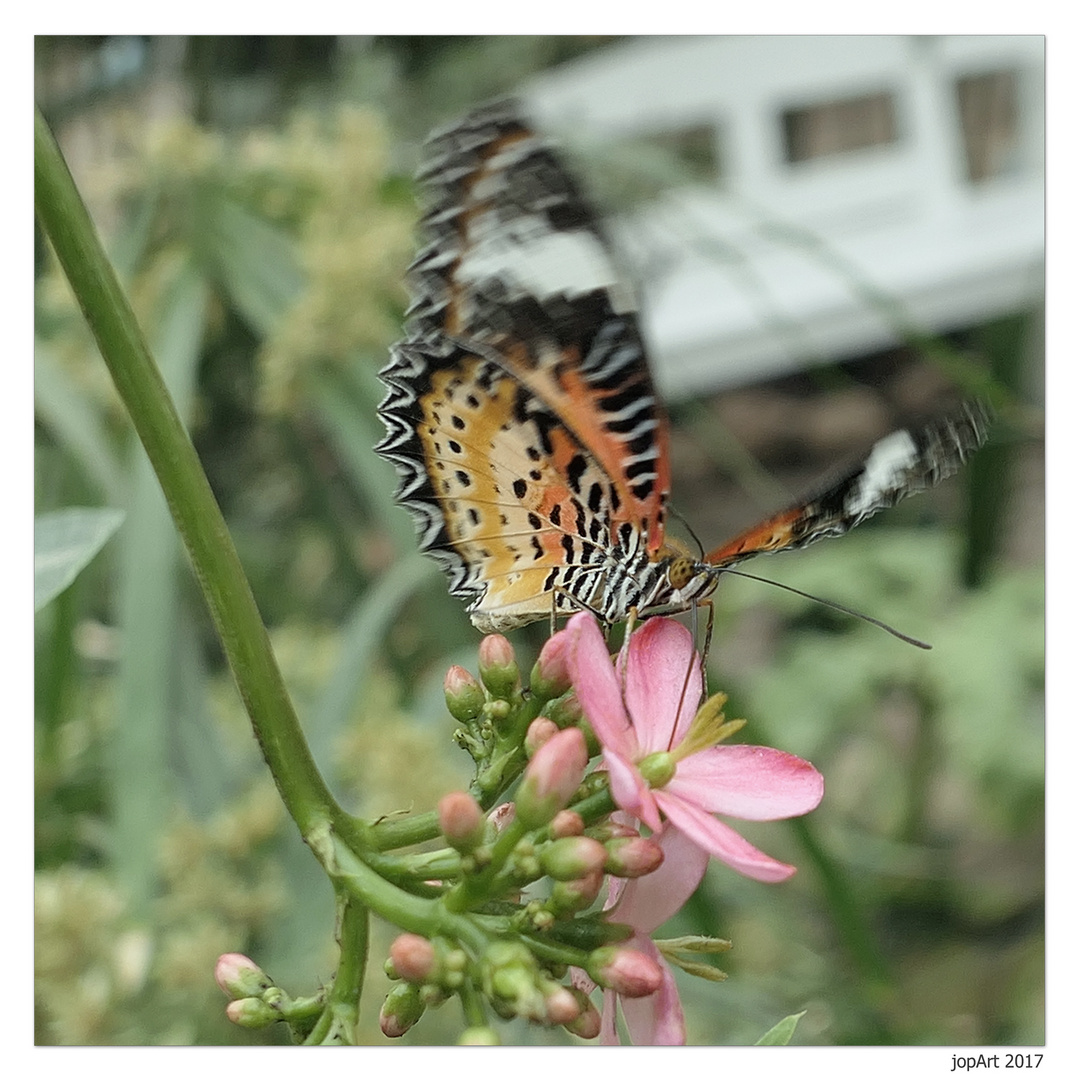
[(901, 464), (524, 373)]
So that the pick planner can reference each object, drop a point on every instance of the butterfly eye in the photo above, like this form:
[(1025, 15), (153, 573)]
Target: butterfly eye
[(679, 572)]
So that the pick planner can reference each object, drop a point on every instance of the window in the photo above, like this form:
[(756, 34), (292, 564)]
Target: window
[(838, 127), (989, 121)]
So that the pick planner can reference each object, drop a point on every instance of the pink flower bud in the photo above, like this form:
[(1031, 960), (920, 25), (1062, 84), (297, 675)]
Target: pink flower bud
[(551, 778), (251, 1012), (573, 857), (401, 1009), (567, 823), (562, 1006), (626, 971), (461, 820), (239, 976), (413, 957), (570, 896), (538, 733), (550, 676), (464, 695), (633, 856), (587, 1025), (498, 666)]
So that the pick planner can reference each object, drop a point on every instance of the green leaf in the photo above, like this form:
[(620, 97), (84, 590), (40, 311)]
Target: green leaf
[(148, 599), (75, 422), (257, 262), (64, 542), (780, 1034)]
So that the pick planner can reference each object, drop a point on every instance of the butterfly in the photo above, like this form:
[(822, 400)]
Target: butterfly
[(531, 446)]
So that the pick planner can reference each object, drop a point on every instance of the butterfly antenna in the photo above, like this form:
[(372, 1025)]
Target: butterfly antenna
[(686, 525), (835, 605)]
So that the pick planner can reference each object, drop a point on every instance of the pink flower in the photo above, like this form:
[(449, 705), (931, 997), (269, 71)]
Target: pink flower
[(661, 750), (645, 903)]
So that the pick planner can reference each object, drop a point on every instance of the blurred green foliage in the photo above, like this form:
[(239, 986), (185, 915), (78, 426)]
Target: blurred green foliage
[(266, 263)]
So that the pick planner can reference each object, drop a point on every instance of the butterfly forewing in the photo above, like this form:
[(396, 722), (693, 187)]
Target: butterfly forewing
[(901, 464), (521, 413)]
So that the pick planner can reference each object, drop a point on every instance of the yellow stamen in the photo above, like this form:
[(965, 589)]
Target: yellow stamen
[(708, 728)]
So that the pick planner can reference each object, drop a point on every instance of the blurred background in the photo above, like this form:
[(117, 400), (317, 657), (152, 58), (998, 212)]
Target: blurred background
[(830, 237)]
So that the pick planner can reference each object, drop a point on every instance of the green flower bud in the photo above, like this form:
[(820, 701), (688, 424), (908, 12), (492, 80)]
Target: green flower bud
[(401, 1009), (464, 695), (251, 1012), (498, 667), (240, 977), (572, 857)]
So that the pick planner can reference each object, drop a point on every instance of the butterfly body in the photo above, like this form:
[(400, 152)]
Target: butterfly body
[(531, 446)]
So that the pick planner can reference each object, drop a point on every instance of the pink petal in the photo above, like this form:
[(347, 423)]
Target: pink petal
[(609, 1034), (660, 668), (630, 791), (597, 686), (754, 783), (656, 1020), (646, 902), (721, 840)]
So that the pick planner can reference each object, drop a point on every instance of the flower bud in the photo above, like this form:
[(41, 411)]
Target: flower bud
[(539, 732), (240, 977), (550, 676), (626, 971), (251, 1012), (573, 857), (609, 830), (562, 1006), (587, 1024), (461, 821), (633, 856), (510, 978), (567, 823), (464, 695), (413, 957), (498, 667), (401, 1009), (566, 712), (551, 778), (568, 897)]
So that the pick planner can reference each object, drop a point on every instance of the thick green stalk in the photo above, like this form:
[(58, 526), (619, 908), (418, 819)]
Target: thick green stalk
[(191, 501)]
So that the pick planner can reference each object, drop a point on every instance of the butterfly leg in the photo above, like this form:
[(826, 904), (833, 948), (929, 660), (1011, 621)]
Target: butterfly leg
[(571, 602)]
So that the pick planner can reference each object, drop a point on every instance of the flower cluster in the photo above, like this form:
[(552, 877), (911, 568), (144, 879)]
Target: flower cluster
[(554, 877)]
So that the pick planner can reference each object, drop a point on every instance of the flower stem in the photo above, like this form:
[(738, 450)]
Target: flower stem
[(191, 501), (337, 1024)]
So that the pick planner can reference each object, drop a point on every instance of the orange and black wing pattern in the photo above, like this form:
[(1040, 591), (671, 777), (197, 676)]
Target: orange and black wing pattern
[(531, 446), (901, 464)]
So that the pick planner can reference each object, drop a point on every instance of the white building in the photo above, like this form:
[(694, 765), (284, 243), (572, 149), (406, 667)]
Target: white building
[(855, 191)]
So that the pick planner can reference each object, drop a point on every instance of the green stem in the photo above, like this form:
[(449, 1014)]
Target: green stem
[(194, 509), (420, 915), (393, 833), (337, 1025)]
